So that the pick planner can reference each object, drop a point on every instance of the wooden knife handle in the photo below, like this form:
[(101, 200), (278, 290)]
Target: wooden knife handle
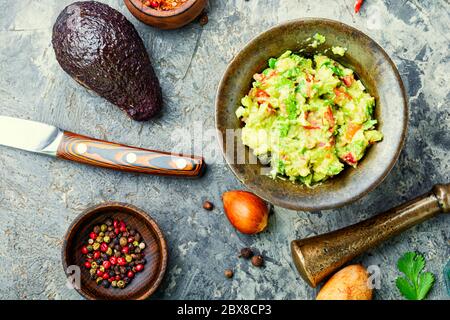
[(319, 256), (120, 157)]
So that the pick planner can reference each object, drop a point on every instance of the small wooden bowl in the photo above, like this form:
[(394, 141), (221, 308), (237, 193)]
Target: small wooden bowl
[(146, 282), (172, 19)]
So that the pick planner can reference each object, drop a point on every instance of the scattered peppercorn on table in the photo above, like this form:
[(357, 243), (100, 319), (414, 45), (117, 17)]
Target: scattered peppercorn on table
[(40, 197)]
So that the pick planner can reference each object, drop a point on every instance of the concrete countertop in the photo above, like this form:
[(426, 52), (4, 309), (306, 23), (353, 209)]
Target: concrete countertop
[(40, 196)]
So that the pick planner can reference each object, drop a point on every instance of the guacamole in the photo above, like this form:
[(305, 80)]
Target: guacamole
[(310, 115)]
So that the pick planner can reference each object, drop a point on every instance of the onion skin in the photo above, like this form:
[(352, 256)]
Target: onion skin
[(350, 283), (247, 212)]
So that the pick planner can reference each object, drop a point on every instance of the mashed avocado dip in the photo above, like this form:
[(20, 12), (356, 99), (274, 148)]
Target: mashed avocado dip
[(311, 116)]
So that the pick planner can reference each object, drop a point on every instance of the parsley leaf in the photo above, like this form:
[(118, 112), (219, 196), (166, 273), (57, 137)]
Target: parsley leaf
[(337, 71), (416, 284)]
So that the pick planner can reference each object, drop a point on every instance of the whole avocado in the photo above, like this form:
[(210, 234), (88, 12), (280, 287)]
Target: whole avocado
[(98, 47)]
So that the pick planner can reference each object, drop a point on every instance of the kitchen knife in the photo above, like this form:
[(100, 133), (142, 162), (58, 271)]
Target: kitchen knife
[(46, 139)]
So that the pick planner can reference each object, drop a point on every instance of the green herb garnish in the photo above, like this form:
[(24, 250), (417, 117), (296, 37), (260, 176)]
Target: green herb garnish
[(416, 284), (272, 62), (337, 71), (291, 107)]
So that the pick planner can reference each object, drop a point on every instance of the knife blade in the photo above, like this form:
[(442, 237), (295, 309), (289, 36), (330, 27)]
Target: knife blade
[(29, 135), (50, 140)]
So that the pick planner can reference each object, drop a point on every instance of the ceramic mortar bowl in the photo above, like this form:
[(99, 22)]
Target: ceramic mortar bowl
[(373, 67), (144, 283), (171, 19)]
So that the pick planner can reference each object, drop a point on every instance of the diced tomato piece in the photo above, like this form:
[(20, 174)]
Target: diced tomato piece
[(348, 80), (311, 127), (332, 141), (341, 95), (349, 158), (270, 109), (306, 114), (337, 92), (259, 77), (352, 129), (309, 77), (308, 89), (271, 73), (261, 93), (328, 115), (261, 96)]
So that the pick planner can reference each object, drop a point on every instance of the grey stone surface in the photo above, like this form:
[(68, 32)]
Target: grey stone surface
[(40, 196)]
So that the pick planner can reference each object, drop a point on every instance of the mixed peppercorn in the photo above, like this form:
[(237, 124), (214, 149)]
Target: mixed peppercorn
[(247, 254), (114, 254), (163, 4)]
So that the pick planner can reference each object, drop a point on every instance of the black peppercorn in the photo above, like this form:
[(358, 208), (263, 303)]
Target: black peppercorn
[(258, 261), (113, 259), (246, 253), (208, 205), (229, 273)]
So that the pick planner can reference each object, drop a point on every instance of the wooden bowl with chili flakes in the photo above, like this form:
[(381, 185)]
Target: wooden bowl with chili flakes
[(166, 14), (144, 283)]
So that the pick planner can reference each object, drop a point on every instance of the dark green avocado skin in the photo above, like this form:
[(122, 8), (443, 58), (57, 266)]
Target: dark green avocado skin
[(97, 46)]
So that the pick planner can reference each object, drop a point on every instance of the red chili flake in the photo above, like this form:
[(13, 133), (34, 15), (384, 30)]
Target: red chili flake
[(350, 159), (311, 127), (358, 5)]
